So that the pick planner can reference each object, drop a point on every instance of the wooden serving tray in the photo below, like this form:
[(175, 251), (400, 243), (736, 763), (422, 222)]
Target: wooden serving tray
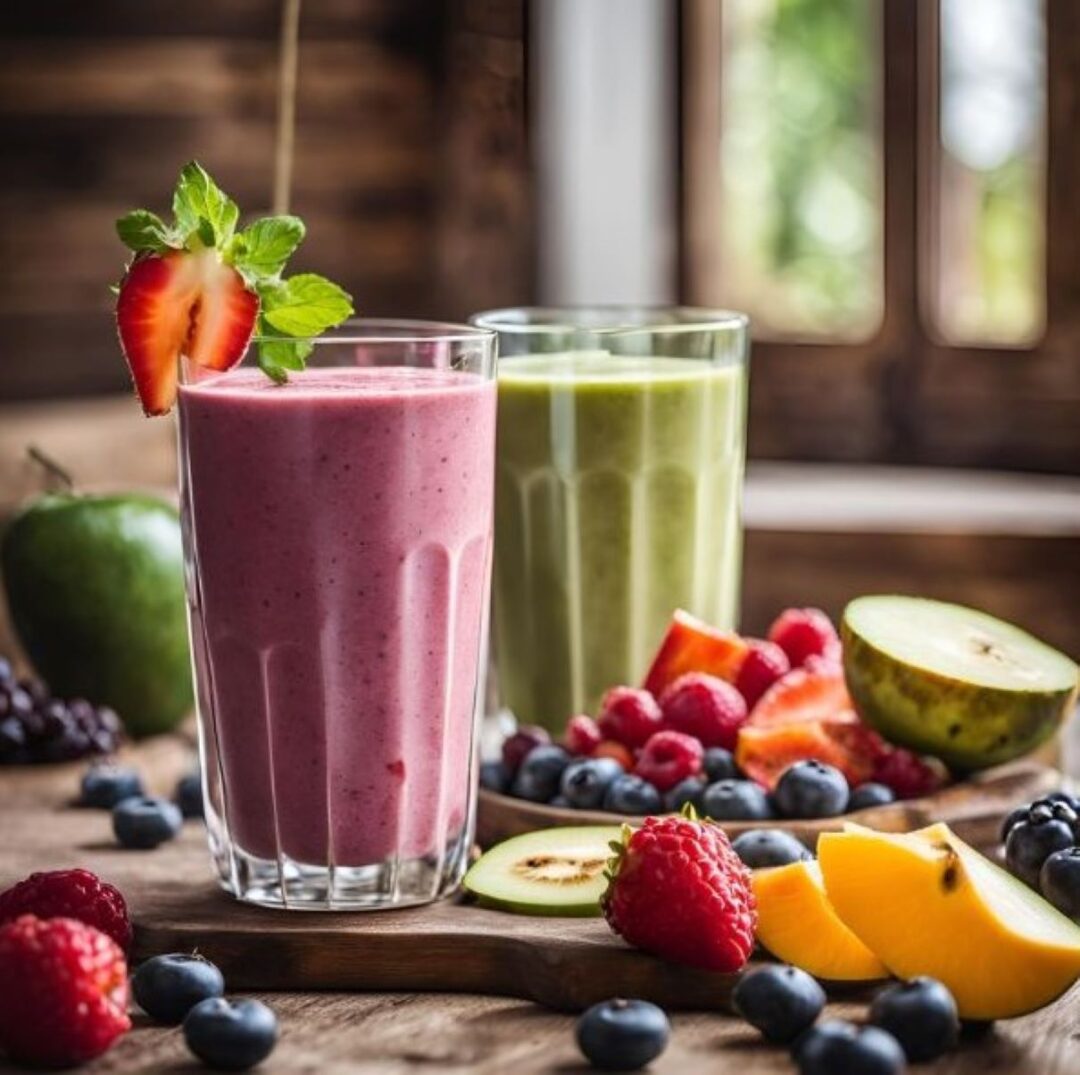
[(450, 946), (973, 808)]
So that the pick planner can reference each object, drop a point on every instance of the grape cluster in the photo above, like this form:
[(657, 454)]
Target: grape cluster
[(36, 727)]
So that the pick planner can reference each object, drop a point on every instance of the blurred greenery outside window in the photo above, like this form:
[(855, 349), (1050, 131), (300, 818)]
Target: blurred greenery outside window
[(800, 219)]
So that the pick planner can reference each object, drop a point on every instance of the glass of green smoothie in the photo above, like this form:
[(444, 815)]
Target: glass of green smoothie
[(619, 467)]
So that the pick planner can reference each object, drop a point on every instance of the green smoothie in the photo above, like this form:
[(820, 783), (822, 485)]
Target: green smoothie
[(618, 490)]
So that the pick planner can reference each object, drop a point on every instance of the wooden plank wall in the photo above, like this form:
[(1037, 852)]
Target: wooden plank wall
[(410, 155)]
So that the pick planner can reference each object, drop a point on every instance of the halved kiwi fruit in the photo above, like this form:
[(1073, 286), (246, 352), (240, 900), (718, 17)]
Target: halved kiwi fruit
[(951, 681), (556, 871)]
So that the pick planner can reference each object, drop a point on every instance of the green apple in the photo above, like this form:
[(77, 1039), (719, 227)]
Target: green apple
[(95, 586)]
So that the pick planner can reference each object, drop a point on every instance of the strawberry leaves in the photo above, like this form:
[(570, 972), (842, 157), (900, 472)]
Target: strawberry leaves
[(200, 206), (291, 309), (261, 250)]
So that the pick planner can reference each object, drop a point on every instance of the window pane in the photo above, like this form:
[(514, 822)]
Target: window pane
[(990, 222), (800, 165)]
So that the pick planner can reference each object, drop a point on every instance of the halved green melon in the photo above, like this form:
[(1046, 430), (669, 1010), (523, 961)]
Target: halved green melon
[(549, 872), (950, 681)]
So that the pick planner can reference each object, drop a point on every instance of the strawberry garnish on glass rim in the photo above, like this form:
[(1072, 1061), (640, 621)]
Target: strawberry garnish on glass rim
[(200, 289)]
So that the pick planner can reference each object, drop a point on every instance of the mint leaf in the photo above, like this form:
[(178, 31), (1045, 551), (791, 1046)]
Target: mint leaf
[(278, 356), (304, 305), (142, 230), (262, 249), (198, 198)]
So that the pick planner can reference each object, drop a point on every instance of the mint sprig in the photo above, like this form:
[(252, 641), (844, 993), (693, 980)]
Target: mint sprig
[(291, 309)]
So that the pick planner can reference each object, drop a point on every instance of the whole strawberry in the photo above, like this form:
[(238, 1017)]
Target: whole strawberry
[(679, 891), (77, 894), (63, 991)]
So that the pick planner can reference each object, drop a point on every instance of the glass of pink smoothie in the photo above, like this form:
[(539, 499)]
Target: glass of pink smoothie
[(338, 535)]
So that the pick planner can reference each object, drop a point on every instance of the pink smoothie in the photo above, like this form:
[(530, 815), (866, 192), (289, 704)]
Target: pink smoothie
[(340, 530)]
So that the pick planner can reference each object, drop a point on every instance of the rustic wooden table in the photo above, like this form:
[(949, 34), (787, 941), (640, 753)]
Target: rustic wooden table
[(335, 1033)]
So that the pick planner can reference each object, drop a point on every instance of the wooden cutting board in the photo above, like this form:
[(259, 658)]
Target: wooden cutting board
[(451, 946)]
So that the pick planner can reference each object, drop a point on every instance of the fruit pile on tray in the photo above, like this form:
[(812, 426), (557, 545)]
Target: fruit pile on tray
[(808, 723)]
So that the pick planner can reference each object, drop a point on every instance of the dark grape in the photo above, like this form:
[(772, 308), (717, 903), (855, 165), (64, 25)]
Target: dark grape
[(39, 693)]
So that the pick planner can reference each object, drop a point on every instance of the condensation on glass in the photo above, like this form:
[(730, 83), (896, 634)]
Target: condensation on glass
[(801, 191), (987, 284)]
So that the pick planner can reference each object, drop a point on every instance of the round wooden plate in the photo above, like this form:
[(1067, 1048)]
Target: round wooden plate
[(973, 807)]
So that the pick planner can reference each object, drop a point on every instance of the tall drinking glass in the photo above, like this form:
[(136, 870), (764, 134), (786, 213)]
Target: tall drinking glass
[(619, 471), (337, 533)]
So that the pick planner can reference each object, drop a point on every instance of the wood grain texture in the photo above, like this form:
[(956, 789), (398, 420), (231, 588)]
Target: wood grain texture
[(379, 1033), (974, 808), (409, 171)]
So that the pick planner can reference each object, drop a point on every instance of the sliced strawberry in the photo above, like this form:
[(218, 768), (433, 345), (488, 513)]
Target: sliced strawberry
[(803, 695), (181, 304), (764, 752), (691, 645)]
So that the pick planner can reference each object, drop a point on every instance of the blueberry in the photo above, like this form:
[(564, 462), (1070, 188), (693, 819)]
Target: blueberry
[(759, 848), (1053, 810), (231, 1035), (719, 765), (1059, 880), (1064, 797), (622, 1035), (144, 822), (585, 780), (495, 776), (189, 796), (561, 802), (871, 794), (168, 987), (103, 786), (1012, 820), (838, 1048), (629, 794), (811, 789), (780, 1001), (538, 776), (921, 1014), (7, 674), (1031, 843), (685, 791), (736, 800)]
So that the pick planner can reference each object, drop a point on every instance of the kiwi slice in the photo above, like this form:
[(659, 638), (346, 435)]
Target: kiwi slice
[(549, 872), (951, 681)]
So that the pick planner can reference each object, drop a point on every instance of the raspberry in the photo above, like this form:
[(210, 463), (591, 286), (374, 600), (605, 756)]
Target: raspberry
[(764, 665), (705, 707), (582, 735), (77, 894), (63, 991), (803, 633), (629, 716), (608, 748), (669, 757), (907, 774), (679, 891)]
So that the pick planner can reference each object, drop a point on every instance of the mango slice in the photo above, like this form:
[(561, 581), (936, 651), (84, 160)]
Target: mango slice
[(798, 925), (927, 903)]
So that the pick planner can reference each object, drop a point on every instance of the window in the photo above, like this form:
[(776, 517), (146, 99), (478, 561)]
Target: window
[(941, 322)]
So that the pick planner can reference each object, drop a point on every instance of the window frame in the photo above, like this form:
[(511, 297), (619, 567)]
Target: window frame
[(904, 395)]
